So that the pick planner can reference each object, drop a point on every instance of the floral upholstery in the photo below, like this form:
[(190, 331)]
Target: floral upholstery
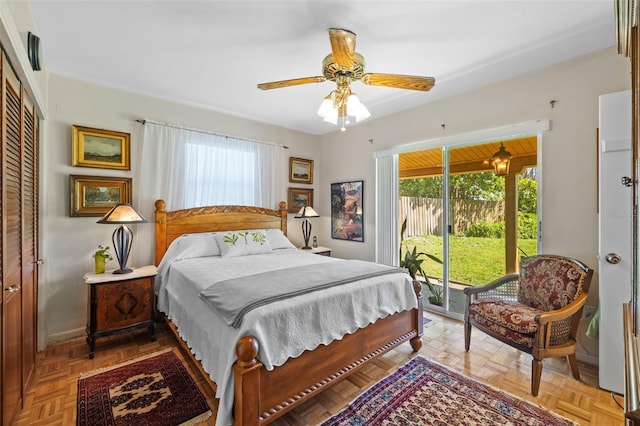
[(549, 283), (514, 321), (535, 310)]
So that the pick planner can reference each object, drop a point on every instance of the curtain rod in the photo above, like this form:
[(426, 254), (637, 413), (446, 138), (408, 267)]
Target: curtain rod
[(144, 121)]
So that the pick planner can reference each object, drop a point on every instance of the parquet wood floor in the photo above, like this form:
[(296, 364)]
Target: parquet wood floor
[(51, 399)]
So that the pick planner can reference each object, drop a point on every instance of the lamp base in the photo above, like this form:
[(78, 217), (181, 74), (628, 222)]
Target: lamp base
[(123, 271), (305, 248)]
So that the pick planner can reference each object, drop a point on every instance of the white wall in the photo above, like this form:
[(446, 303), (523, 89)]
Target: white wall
[(70, 241)]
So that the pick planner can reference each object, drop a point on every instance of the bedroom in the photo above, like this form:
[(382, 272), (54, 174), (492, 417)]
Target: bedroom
[(338, 157)]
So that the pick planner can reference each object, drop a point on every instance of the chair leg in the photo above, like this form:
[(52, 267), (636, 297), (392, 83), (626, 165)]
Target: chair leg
[(573, 363), (536, 374), (467, 335)]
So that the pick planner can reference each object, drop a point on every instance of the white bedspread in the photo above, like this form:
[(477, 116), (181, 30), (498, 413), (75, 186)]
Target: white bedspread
[(284, 329)]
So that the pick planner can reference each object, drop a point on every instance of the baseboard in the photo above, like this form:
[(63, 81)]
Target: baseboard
[(587, 358), (66, 335)]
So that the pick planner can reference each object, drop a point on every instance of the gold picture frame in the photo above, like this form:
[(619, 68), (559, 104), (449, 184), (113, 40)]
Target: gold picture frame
[(99, 148), (298, 198), (96, 195), (300, 170)]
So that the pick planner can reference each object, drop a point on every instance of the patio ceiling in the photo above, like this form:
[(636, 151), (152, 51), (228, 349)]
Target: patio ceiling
[(467, 159)]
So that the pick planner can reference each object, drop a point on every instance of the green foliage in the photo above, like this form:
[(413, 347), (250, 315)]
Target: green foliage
[(527, 195), (485, 229), (527, 225), (104, 253), (232, 239), (412, 261)]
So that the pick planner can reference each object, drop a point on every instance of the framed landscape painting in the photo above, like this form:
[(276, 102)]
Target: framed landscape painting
[(300, 170), (96, 195), (346, 211), (298, 198), (104, 149)]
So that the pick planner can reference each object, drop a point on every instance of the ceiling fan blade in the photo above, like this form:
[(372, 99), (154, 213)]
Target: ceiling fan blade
[(292, 82), (399, 81), (343, 47)]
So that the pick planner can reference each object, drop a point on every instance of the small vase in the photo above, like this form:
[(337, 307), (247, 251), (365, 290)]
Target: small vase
[(100, 263)]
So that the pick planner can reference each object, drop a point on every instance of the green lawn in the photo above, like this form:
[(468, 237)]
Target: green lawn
[(473, 260)]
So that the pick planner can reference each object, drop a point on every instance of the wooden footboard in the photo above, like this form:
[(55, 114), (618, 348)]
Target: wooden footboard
[(262, 396)]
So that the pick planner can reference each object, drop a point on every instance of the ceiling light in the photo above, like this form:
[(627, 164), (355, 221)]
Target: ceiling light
[(501, 160), (341, 104)]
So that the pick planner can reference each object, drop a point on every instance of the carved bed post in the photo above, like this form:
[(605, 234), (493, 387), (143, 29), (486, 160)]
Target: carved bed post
[(246, 375), (416, 342), (161, 230), (283, 215)]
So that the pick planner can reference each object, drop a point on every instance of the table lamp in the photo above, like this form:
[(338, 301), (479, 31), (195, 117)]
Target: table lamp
[(304, 213), (123, 215)]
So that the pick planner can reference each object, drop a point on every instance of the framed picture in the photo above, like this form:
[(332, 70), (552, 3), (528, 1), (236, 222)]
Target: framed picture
[(298, 198), (96, 195), (300, 170), (347, 211), (104, 149)]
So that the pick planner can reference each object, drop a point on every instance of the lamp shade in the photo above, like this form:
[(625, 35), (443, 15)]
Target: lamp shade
[(306, 211), (122, 214)]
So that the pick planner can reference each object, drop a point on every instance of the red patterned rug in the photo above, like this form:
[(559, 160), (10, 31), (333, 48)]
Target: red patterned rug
[(152, 390), (425, 393)]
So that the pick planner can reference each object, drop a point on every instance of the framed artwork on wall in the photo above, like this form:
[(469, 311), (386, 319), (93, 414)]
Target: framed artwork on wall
[(347, 216), (96, 195), (300, 170), (298, 198), (103, 149)]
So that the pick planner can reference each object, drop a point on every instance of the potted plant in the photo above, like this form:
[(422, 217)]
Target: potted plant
[(412, 262), (101, 257)]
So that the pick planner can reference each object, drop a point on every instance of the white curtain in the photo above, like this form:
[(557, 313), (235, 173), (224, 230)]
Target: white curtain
[(387, 231), (191, 168)]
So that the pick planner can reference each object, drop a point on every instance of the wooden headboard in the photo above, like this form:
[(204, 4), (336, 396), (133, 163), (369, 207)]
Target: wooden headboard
[(171, 225)]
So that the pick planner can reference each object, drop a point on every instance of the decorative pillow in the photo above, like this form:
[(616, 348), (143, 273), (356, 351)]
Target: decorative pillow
[(277, 240), (240, 243)]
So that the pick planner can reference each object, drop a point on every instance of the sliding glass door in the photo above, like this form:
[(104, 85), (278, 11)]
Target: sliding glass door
[(468, 223)]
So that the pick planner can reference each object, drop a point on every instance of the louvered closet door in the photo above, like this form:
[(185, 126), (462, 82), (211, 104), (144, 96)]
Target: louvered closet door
[(12, 244), (30, 163)]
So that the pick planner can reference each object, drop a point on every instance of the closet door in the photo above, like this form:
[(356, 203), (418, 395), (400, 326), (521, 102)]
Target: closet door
[(12, 243), (30, 138)]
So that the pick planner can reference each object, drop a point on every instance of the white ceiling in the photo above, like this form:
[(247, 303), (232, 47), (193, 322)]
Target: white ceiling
[(213, 53)]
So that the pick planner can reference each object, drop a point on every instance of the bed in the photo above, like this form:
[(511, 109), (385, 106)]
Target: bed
[(273, 360)]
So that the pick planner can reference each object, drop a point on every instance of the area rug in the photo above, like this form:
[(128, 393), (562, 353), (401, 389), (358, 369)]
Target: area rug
[(423, 392), (152, 390)]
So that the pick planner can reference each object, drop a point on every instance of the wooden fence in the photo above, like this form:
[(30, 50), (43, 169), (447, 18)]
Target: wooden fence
[(424, 215)]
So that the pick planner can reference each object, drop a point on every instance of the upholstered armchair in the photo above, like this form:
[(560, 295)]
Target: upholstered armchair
[(536, 311)]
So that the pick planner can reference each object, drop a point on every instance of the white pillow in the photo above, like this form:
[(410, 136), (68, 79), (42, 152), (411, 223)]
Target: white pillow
[(240, 243), (198, 245), (277, 240)]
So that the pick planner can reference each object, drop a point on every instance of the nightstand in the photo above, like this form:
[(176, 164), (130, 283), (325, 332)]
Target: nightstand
[(119, 303), (322, 251)]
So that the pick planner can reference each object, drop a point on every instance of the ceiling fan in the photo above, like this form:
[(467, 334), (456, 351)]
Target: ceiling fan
[(344, 65)]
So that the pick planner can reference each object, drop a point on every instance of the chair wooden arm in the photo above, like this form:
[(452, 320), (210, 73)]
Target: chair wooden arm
[(493, 284), (563, 313)]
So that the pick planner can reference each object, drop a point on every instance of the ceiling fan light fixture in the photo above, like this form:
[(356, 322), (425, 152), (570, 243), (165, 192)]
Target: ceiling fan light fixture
[(356, 109)]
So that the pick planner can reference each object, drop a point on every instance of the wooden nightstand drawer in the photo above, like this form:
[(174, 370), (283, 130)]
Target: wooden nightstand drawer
[(122, 304)]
